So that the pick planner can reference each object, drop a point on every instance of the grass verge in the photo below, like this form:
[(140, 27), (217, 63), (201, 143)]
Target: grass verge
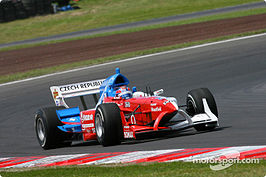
[(186, 169), (182, 22), (63, 67), (100, 13)]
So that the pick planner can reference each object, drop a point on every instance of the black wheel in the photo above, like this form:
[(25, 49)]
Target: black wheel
[(48, 134), (195, 106), (108, 124)]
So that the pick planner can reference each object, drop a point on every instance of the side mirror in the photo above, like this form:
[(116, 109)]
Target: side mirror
[(134, 89), (158, 92)]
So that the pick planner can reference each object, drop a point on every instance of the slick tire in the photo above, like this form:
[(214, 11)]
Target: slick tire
[(108, 124), (48, 134), (195, 106)]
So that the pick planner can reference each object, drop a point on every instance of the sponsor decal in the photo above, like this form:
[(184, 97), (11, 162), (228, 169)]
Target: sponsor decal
[(89, 130), (55, 93), (91, 84), (156, 109), (79, 86), (133, 119), (69, 88), (86, 117), (88, 125), (153, 104), (127, 104), (128, 135), (72, 119)]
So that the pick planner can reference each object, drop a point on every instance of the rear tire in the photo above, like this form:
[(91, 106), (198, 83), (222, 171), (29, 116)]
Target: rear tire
[(48, 134), (108, 124), (195, 106)]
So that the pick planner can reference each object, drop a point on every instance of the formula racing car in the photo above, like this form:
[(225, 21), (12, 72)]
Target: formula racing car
[(120, 113)]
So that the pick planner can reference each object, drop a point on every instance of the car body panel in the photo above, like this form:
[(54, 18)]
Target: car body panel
[(143, 113)]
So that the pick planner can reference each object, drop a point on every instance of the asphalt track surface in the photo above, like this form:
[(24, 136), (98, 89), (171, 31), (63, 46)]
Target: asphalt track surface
[(138, 24), (234, 71)]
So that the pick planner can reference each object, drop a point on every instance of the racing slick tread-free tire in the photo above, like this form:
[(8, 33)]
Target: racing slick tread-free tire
[(108, 124), (195, 106), (48, 134)]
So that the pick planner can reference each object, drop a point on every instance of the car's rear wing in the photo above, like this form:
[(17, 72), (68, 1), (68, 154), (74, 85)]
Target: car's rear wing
[(59, 93)]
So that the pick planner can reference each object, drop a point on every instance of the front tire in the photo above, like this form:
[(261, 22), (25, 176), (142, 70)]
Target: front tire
[(108, 124), (195, 106), (48, 134)]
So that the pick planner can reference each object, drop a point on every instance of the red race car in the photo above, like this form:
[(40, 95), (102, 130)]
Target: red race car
[(120, 113)]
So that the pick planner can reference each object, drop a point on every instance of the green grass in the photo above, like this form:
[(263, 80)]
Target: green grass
[(182, 22), (181, 169), (63, 67), (99, 13)]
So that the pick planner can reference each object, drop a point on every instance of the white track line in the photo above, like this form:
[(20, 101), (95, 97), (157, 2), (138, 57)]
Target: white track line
[(144, 156), (46, 160), (131, 156), (2, 159), (134, 58)]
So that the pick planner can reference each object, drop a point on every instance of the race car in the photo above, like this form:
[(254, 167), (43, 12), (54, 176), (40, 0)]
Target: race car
[(120, 113)]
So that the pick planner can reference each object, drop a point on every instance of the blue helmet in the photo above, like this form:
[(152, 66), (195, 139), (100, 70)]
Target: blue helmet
[(124, 92)]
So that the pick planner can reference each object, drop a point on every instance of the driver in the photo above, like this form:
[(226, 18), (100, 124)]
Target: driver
[(124, 92)]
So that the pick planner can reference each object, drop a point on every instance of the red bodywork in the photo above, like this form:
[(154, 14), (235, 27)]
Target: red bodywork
[(142, 114)]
